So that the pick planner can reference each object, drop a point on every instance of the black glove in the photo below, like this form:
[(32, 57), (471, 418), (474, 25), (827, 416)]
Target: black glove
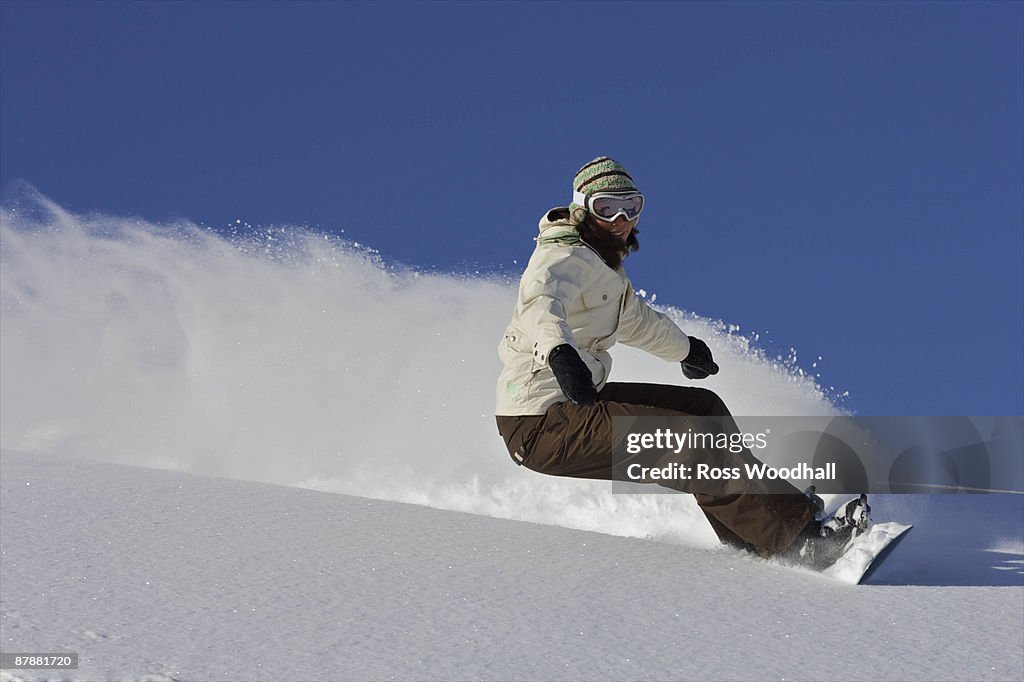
[(699, 364), (572, 374)]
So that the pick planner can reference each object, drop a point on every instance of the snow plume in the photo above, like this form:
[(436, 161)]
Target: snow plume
[(296, 358)]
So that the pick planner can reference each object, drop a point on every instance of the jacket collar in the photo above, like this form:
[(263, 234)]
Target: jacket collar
[(556, 228)]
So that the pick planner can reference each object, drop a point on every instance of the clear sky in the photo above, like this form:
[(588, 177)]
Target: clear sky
[(843, 178)]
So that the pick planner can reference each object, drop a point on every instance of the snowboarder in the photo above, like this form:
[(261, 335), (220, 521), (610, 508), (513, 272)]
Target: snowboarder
[(554, 402)]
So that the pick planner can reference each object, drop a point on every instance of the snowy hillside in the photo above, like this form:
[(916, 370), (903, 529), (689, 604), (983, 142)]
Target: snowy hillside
[(398, 540), (159, 575)]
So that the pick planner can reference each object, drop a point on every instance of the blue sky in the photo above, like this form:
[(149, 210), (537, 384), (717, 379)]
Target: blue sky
[(843, 178)]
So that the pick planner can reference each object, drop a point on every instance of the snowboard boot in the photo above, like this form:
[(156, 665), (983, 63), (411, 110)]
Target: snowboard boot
[(817, 503), (821, 543)]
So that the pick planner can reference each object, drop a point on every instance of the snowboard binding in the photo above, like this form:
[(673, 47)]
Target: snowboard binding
[(853, 515)]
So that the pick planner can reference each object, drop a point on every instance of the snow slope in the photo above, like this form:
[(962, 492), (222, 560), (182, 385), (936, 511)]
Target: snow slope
[(161, 575), (284, 357)]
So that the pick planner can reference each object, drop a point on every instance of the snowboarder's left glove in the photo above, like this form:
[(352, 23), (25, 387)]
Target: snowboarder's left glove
[(699, 364), (572, 374)]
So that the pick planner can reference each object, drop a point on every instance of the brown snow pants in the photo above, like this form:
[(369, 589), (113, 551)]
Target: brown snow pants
[(575, 441)]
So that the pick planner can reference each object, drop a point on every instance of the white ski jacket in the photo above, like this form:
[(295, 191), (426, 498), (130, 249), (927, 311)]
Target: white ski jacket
[(569, 295)]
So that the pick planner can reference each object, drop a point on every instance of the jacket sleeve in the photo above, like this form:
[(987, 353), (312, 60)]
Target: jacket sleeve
[(644, 328), (546, 292)]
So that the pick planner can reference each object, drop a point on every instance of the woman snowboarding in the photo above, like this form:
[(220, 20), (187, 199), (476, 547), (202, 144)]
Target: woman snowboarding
[(555, 404)]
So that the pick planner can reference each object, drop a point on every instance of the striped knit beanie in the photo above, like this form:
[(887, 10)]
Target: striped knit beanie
[(600, 175)]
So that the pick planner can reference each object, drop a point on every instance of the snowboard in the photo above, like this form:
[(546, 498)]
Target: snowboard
[(868, 543), (865, 551)]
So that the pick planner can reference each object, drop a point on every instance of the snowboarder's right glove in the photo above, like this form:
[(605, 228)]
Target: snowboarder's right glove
[(699, 364), (572, 374)]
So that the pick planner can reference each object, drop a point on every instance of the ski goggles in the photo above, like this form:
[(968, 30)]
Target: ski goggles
[(608, 206)]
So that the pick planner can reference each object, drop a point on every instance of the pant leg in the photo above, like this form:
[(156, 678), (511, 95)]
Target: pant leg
[(769, 521), (575, 441)]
